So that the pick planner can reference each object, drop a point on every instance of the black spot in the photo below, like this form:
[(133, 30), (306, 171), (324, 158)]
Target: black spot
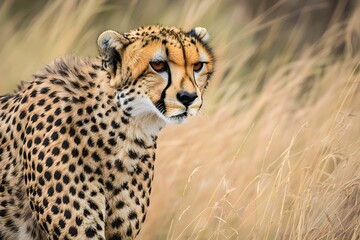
[(81, 195), (57, 81), (28, 130), (119, 166), (109, 185), (86, 213), (112, 142), (117, 223), (92, 75), (39, 168), (49, 162), (140, 143), (37, 141), (122, 136), (69, 120), (67, 108), (115, 237), (57, 175), (45, 203), (103, 126), (72, 190), (29, 143), (48, 219), (65, 145), (90, 232), (62, 223), (44, 90), (124, 120), (67, 214), (56, 151), (46, 142), (31, 108), (115, 125), (75, 153), (94, 128), (77, 140), (73, 231), (34, 118), (22, 115), (83, 132), (95, 157), (72, 168), (63, 130), (89, 110), (47, 176), (54, 209), (3, 213), (120, 204), (65, 158), (66, 179), (129, 232), (33, 93), (93, 205), (134, 182), (47, 108), (132, 154), (58, 187), (78, 221), (87, 168), (58, 122), (50, 119), (41, 102), (146, 175), (85, 152), (100, 143), (24, 100)]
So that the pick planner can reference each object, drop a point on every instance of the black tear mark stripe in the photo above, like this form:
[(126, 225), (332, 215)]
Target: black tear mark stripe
[(160, 104)]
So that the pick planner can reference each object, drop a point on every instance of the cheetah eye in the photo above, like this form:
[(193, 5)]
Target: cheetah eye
[(159, 66), (198, 66)]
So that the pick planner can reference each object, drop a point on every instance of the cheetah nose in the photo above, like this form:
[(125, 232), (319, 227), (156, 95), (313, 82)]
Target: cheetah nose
[(186, 98)]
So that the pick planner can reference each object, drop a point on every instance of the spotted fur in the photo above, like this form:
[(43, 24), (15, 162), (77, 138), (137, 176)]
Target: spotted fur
[(78, 142)]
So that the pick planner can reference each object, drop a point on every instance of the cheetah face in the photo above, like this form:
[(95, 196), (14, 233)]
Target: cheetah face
[(158, 70)]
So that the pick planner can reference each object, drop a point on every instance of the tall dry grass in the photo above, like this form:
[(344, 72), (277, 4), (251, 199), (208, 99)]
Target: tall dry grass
[(275, 153)]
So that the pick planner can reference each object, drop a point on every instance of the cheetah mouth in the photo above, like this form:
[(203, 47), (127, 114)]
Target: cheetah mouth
[(179, 118), (181, 115)]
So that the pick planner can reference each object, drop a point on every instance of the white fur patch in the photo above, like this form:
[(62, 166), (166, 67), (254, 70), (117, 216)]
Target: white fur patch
[(23, 235), (202, 33), (145, 110), (159, 55)]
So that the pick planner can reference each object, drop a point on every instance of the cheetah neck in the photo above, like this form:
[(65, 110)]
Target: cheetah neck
[(128, 170)]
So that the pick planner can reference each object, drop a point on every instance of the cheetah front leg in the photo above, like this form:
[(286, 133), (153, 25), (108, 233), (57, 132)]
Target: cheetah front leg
[(70, 211)]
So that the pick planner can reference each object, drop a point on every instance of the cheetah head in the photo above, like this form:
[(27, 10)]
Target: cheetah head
[(158, 70)]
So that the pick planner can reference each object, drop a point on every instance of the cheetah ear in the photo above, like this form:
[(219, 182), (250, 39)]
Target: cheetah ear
[(200, 33), (111, 46)]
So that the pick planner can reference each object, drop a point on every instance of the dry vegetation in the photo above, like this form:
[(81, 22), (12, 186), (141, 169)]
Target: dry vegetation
[(275, 153)]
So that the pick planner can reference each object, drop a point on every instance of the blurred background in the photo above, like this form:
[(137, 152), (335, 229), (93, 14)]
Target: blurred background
[(275, 152)]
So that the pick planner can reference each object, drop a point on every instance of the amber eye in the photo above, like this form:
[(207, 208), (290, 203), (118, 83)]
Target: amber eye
[(159, 66), (198, 66)]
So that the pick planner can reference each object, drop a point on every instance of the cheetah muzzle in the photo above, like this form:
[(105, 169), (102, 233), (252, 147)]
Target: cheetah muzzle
[(78, 142)]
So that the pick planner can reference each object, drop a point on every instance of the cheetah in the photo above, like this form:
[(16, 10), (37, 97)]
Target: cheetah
[(78, 142)]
